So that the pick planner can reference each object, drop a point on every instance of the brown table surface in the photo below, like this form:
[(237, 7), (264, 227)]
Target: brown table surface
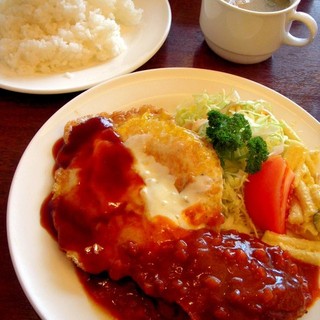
[(293, 72)]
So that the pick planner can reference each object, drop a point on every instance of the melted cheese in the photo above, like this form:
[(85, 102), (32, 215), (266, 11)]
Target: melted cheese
[(160, 193)]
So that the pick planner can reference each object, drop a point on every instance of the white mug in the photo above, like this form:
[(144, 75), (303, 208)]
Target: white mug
[(244, 36)]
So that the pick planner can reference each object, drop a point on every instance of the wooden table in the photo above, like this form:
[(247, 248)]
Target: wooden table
[(293, 72)]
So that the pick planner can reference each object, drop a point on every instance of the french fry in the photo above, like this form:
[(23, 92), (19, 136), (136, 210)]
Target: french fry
[(313, 163), (295, 156), (303, 194), (302, 249), (295, 216), (288, 131), (305, 201)]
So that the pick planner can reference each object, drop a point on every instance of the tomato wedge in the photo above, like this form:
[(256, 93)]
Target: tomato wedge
[(266, 194)]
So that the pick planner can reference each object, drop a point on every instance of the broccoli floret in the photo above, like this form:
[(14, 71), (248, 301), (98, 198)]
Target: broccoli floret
[(231, 134), (227, 134), (257, 154)]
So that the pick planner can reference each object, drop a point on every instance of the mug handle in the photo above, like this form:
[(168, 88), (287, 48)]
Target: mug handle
[(309, 22)]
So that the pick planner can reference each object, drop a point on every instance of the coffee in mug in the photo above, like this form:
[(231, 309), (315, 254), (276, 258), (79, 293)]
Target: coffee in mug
[(261, 5), (247, 36)]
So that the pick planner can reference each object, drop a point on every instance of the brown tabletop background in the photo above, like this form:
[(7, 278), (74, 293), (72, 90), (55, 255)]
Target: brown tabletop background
[(293, 72)]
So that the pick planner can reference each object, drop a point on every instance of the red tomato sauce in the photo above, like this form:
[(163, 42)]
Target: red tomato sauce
[(125, 300), (141, 269)]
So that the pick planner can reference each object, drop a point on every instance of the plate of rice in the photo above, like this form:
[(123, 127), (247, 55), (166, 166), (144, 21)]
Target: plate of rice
[(67, 46)]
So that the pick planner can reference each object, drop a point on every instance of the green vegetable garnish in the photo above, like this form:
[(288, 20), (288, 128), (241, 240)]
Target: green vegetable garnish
[(257, 154), (231, 136)]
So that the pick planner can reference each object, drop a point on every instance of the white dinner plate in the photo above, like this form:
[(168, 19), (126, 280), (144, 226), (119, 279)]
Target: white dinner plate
[(47, 277), (143, 41)]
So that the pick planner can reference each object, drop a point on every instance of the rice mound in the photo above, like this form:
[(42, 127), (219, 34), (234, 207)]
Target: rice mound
[(53, 36)]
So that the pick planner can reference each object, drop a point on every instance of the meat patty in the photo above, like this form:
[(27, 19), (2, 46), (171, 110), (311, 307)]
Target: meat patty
[(175, 154), (136, 161)]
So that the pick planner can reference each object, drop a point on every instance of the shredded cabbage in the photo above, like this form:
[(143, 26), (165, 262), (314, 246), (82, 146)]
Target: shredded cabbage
[(193, 115)]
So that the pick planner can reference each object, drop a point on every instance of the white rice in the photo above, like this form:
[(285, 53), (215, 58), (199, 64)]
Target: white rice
[(38, 36)]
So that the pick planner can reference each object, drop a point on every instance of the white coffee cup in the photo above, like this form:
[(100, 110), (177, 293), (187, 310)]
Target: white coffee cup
[(244, 36)]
